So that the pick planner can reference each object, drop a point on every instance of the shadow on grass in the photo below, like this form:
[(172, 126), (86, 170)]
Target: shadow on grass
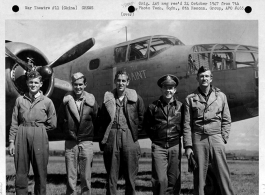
[(58, 179), (144, 173)]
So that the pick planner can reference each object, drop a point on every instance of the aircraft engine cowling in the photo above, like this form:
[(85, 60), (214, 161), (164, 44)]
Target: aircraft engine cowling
[(16, 78), (15, 74)]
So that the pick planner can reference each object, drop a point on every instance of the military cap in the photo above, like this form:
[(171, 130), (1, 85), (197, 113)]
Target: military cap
[(33, 74), (168, 80), (77, 75), (202, 69)]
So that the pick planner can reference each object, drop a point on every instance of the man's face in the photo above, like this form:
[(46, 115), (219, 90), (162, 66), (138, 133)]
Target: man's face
[(121, 82), (204, 78), (168, 91), (79, 86), (34, 85)]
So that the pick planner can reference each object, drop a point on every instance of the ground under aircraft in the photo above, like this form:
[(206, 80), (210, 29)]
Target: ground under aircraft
[(234, 68)]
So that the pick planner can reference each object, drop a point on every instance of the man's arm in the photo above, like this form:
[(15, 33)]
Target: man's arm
[(141, 111), (13, 128), (226, 120), (187, 124), (95, 117), (14, 122), (51, 121), (103, 119), (147, 124)]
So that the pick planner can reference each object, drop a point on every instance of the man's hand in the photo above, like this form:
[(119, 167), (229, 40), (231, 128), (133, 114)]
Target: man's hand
[(12, 148), (188, 151)]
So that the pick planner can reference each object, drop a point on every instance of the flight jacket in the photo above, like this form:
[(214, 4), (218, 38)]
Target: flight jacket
[(201, 117), (164, 129), (75, 126), (134, 113)]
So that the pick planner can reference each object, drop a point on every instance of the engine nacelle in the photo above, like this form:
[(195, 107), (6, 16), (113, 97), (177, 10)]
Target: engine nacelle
[(15, 74)]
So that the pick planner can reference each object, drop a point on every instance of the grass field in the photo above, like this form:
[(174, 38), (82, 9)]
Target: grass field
[(245, 177)]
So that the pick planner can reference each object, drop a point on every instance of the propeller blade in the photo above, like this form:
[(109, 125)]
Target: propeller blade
[(73, 53), (23, 64)]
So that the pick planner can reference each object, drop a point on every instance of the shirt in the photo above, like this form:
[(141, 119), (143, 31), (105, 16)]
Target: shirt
[(206, 97)]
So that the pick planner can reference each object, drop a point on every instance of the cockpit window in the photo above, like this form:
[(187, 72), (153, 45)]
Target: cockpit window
[(246, 59), (160, 44), (120, 54), (222, 60), (138, 50), (221, 57), (215, 61), (196, 60)]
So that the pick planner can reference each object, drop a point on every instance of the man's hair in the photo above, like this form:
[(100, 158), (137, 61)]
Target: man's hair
[(83, 77), (120, 72), (34, 74)]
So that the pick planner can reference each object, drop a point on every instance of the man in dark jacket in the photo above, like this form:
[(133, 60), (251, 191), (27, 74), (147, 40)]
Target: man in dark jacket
[(207, 124), (121, 117), (77, 119), (163, 124)]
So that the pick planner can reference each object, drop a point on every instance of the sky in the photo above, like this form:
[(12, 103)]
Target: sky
[(54, 37)]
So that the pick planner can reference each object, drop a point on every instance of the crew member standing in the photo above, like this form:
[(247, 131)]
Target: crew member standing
[(163, 124), (207, 124), (77, 118), (121, 117), (33, 115)]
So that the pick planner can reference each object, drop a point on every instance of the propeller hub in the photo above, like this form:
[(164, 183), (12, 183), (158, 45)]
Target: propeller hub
[(45, 71)]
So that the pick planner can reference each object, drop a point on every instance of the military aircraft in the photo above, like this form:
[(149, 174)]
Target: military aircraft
[(234, 67)]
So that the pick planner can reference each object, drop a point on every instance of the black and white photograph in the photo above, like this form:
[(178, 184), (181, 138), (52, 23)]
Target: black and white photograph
[(132, 106), (146, 51)]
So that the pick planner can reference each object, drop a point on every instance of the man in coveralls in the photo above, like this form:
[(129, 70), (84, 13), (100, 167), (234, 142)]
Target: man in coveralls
[(121, 117), (33, 115), (163, 124), (207, 124), (77, 119)]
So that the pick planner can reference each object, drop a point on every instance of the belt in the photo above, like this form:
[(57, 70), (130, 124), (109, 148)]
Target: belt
[(31, 124), (115, 126)]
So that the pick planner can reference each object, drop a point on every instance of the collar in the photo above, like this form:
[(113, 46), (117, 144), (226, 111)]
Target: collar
[(39, 95), (203, 94), (162, 101), (130, 94), (196, 94), (80, 98), (34, 96), (89, 99)]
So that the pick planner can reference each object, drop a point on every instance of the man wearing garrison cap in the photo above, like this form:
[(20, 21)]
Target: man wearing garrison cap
[(163, 125), (77, 120), (207, 124)]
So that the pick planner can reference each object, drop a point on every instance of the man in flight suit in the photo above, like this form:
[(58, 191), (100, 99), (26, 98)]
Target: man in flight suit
[(207, 124), (121, 116), (163, 124), (33, 115)]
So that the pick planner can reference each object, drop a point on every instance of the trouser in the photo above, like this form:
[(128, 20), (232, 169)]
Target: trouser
[(165, 170), (210, 149), (121, 151), (78, 154), (31, 146)]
